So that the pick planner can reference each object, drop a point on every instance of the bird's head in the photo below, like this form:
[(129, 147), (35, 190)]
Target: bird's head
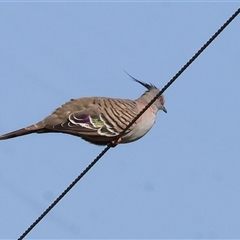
[(151, 92)]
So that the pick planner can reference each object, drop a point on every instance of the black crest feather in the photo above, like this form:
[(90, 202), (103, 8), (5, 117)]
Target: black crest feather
[(146, 85)]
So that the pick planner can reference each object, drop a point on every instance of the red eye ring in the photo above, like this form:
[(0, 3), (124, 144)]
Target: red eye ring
[(161, 99)]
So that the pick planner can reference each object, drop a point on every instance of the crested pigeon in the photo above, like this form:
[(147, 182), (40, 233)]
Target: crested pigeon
[(99, 120)]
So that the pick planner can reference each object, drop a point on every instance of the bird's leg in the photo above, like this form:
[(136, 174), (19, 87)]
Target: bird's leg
[(114, 143)]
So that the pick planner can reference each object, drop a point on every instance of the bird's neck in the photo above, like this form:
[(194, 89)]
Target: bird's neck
[(145, 99)]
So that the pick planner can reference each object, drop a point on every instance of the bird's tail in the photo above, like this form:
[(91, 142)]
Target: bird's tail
[(20, 132)]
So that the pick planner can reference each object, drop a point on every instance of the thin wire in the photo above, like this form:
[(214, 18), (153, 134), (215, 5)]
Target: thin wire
[(181, 71), (130, 124), (64, 192)]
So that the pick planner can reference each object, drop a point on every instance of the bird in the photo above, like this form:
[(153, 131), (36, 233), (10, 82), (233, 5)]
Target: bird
[(99, 120)]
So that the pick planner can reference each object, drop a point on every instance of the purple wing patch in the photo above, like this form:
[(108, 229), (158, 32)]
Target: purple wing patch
[(83, 118)]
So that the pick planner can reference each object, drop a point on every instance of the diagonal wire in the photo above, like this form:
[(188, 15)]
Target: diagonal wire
[(130, 124), (181, 71)]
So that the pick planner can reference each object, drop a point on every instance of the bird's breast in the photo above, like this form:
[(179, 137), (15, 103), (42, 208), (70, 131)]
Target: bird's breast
[(144, 124)]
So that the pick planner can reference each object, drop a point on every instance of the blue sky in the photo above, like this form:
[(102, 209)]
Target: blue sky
[(181, 180)]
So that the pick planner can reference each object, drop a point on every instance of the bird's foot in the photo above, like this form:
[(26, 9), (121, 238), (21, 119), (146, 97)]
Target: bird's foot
[(114, 143)]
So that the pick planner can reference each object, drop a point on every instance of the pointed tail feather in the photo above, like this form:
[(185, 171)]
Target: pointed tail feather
[(20, 132)]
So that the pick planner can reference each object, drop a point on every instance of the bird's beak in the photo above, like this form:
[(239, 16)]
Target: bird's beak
[(164, 109)]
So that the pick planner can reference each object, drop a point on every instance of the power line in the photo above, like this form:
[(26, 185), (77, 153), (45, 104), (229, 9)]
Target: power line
[(131, 123)]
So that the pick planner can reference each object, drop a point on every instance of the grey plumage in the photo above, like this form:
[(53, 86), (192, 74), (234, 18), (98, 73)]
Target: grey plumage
[(99, 119)]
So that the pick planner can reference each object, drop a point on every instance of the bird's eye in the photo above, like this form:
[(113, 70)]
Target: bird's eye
[(161, 99)]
